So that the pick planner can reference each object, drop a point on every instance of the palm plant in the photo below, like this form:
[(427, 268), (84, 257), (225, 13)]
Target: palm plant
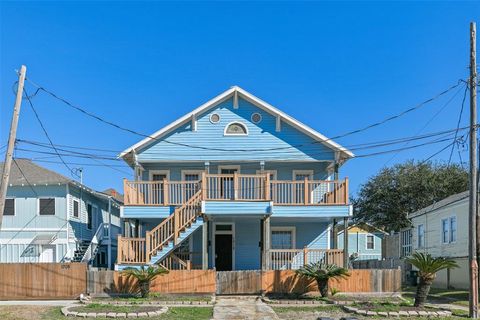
[(144, 277), (427, 270), (322, 273)]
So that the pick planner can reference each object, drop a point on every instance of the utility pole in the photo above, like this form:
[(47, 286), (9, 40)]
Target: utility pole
[(11, 141), (473, 202)]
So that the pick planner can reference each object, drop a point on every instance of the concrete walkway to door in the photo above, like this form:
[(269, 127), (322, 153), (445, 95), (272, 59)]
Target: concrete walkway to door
[(242, 308)]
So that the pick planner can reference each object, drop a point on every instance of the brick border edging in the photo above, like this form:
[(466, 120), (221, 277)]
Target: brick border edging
[(67, 313), (153, 302), (366, 313)]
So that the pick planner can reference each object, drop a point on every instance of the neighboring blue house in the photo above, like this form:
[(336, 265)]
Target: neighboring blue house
[(51, 218), (235, 184), (364, 242)]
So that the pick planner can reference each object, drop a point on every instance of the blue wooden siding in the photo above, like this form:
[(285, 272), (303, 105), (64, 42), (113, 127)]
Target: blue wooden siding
[(138, 212), (357, 243), (261, 136), (311, 211), (237, 207)]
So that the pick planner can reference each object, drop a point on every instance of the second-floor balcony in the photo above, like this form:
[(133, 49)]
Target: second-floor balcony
[(237, 187)]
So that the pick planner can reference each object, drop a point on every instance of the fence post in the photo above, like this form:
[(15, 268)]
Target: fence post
[(235, 185), (204, 185), (175, 226), (127, 195), (147, 247), (119, 249), (165, 192), (305, 256), (267, 187), (346, 190), (305, 190)]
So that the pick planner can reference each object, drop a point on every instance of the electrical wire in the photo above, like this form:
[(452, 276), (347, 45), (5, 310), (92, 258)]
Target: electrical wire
[(458, 122), (45, 131), (108, 122)]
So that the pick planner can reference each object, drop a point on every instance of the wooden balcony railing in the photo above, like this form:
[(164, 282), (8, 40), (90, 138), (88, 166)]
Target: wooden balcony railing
[(283, 259), (241, 187), (131, 250)]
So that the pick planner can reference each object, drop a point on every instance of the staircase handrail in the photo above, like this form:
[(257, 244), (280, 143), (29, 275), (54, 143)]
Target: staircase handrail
[(94, 243)]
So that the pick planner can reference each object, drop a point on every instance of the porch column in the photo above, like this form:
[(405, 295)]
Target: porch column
[(345, 243), (266, 243), (334, 234), (205, 245)]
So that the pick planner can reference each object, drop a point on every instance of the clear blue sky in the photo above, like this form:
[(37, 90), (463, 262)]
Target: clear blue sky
[(334, 66)]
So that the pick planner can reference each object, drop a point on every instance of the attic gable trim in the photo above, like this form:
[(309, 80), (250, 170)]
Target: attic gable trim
[(257, 102), (211, 103)]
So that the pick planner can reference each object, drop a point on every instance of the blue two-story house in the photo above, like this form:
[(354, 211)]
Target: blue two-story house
[(236, 184), (51, 218)]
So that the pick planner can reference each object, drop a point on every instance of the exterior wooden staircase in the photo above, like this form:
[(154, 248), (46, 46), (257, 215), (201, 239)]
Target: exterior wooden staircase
[(159, 243)]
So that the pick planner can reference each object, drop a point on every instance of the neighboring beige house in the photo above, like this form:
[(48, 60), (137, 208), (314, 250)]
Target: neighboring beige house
[(441, 230)]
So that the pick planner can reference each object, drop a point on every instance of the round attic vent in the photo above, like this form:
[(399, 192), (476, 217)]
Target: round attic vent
[(214, 118), (256, 117)]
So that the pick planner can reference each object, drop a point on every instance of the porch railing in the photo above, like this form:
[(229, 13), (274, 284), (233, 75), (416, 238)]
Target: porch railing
[(284, 259), (241, 187), (131, 250)]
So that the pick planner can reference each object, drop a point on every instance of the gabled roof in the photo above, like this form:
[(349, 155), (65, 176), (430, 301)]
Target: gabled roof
[(24, 169), (440, 204), (25, 172), (343, 152)]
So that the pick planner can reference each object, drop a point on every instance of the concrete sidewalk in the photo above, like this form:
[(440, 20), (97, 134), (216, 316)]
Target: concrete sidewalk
[(242, 308), (52, 303)]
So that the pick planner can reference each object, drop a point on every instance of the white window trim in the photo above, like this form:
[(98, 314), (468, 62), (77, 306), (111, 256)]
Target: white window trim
[(366, 241), (228, 167), (235, 134), (450, 228), (152, 172), (272, 172), (185, 172), (418, 238), (79, 209), (261, 117), (14, 206), (213, 122), (38, 207), (96, 210), (292, 229), (232, 232), (308, 172)]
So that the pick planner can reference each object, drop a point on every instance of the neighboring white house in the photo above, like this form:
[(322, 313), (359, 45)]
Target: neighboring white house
[(441, 230)]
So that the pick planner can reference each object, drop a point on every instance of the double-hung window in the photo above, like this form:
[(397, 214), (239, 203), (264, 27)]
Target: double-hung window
[(47, 207), (420, 236), (453, 229), (283, 238), (370, 242), (445, 231), (9, 209)]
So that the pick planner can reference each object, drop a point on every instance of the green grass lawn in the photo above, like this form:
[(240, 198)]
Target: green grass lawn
[(173, 313), (458, 297)]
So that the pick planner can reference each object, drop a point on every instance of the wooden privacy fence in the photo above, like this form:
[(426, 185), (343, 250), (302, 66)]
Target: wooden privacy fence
[(105, 283), (287, 281), (42, 280)]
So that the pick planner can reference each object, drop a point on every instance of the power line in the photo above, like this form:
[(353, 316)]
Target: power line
[(45, 131), (68, 153), (428, 122), (459, 120), (94, 116), (25, 177)]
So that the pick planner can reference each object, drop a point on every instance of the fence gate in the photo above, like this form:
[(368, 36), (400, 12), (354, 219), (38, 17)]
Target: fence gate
[(239, 282)]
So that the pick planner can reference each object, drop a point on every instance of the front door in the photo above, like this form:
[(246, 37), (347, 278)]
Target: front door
[(223, 252), (157, 188), (48, 254)]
